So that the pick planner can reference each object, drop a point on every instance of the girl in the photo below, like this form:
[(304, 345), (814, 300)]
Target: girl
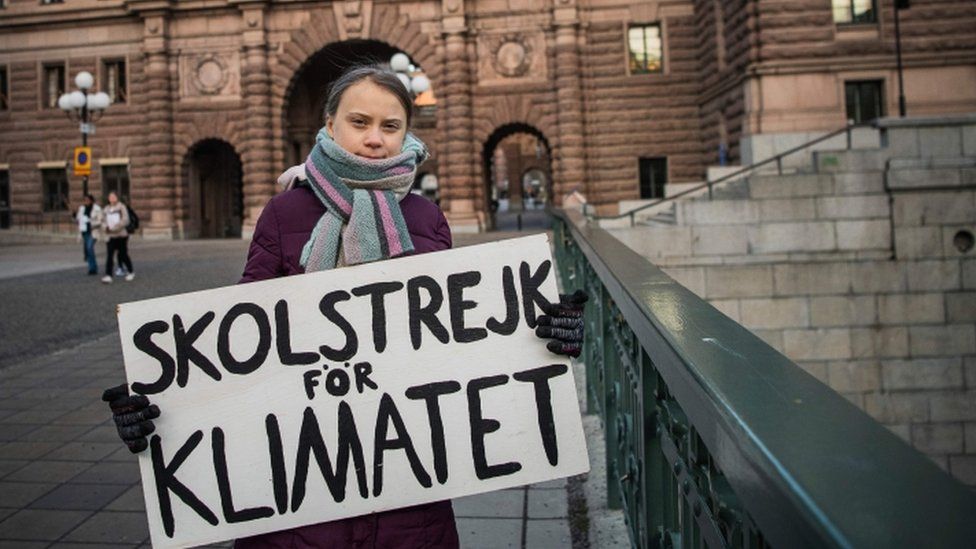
[(350, 203)]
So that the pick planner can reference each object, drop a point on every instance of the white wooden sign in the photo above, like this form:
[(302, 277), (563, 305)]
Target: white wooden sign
[(334, 394)]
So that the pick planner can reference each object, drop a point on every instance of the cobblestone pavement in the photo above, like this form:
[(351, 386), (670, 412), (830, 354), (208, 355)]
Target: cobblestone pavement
[(65, 479)]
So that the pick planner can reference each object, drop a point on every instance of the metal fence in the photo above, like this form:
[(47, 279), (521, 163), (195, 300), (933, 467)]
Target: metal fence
[(714, 439)]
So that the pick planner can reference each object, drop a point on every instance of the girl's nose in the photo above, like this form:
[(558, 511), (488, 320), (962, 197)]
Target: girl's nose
[(374, 137)]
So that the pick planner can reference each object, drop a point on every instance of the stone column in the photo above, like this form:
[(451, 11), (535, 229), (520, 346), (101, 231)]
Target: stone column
[(256, 148), (157, 174), (569, 151), (456, 176)]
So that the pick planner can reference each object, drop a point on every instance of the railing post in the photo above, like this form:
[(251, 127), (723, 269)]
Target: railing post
[(709, 189), (631, 218), (848, 131), (779, 165)]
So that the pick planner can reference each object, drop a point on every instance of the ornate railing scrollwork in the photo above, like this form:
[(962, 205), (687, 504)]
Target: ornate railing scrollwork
[(703, 447)]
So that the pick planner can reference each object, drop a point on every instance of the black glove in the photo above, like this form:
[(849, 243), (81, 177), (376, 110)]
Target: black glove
[(563, 323), (133, 416)]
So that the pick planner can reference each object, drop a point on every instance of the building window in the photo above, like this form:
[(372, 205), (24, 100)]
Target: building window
[(653, 177), (854, 11), (113, 80), (645, 49), (115, 179), (47, 2), (53, 84), (4, 90), (865, 100), (55, 183)]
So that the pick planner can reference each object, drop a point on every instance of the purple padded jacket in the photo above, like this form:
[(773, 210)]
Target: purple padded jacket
[(281, 232)]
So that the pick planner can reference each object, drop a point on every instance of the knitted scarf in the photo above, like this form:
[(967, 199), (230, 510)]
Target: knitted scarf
[(361, 197)]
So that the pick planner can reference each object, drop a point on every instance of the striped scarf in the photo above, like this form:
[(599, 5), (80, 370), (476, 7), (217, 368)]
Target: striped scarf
[(361, 197)]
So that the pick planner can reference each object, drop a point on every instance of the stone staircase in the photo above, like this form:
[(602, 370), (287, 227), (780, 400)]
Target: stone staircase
[(771, 218), (859, 266)]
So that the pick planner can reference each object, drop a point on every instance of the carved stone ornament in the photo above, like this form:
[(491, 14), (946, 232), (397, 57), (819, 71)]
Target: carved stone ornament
[(211, 74), (513, 56)]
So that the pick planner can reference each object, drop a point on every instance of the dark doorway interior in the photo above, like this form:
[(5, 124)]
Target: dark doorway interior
[(214, 190), (4, 199), (653, 177)]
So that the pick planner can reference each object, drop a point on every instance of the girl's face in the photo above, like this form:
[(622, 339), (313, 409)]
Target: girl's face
[(113, 198), (369, 122)]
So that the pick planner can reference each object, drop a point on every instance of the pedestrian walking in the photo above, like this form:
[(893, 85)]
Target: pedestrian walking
[(364, 158), (89, 218), (116, 221)]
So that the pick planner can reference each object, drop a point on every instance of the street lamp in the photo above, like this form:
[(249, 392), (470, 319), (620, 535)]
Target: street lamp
[(86, 108), (416, 85)]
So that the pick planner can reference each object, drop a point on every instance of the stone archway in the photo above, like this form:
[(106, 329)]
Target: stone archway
[(510, 153), (213, 187)]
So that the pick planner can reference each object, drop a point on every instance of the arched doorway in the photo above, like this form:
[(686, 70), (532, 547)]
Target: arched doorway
[(518, 168), (214, 189), (305, 101)]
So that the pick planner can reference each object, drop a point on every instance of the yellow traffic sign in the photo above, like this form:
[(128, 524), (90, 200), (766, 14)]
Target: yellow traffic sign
[(83, 160)]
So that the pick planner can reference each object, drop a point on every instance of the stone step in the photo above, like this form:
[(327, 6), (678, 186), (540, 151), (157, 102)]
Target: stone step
[(790, 186), (853, 161)]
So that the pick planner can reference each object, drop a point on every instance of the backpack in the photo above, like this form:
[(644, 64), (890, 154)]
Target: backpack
[(133, 220)]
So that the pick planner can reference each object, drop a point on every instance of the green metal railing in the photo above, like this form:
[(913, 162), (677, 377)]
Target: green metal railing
[(714, 439)]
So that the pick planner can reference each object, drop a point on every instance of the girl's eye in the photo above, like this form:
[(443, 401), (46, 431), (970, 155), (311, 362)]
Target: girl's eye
[(392, 126), (358, 122)]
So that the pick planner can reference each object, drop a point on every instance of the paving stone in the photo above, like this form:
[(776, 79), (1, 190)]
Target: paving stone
[(558, 484), (80, 497), (84, 416), (25, 450), (500, 504), (130, 500), (19, 494), (21, 544), (552, 533), (75, 545), (8, 466), (122, 454), (40, 417), (547, 504), (34, 524), (52, 433), (112, 527), (110, 473), (66, 403), (49, 471), (17, 403), (478, 533), (101, 433), (10, 432), (83, 451)]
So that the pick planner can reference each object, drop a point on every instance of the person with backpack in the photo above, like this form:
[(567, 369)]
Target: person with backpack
[(117, 223), (89, 218)]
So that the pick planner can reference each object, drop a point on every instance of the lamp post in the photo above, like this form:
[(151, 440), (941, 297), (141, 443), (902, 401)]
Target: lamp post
[(416, 85), (86, 108)]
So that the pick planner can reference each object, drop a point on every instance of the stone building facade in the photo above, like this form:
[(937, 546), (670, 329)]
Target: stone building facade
[(221, 96)]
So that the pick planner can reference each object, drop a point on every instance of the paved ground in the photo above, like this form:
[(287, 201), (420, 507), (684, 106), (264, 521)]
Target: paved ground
[(66, 481)]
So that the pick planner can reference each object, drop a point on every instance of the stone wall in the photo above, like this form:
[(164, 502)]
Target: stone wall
[(870, 287), (645, 115)]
